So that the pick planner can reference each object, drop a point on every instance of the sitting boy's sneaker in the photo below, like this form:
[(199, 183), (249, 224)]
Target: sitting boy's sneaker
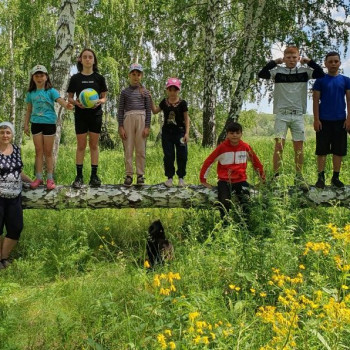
[(128, 181), (78, 182), (95, 181), (36, 183), (169, 182), (337, 183), (320, 183), (50, 184), (181, 182), (140, 180), (301, 183)]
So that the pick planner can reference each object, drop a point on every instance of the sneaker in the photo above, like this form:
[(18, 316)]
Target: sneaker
[(140, 180), (320, 183), (36, 183), (5, 263), (337, 183), (128, 181), (95, 181), (169, 182), (50, 184), (301, 183), (181, 182), (78, 182)]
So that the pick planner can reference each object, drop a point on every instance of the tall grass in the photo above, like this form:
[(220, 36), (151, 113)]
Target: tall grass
[(78, 279)]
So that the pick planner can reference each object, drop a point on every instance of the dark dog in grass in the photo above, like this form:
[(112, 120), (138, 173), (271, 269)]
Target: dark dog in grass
[(159, 249)]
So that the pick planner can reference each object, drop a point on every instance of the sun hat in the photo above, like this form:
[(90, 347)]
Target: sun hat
[(173, 82), (38, 68), (8, 125), (135, 66)]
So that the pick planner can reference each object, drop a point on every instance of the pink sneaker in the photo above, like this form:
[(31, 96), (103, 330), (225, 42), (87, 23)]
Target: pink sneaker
[(35, 184), (50, 184)]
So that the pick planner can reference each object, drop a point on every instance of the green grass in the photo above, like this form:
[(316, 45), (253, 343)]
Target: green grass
[(78, 280)]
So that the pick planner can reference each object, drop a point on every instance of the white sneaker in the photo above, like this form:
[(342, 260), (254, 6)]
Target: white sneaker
[(169, 182), (181, 182)]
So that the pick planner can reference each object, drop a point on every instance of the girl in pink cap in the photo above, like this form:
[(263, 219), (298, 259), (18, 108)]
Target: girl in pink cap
[(175, 131)]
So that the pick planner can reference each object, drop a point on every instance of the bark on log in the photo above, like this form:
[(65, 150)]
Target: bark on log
[(160, 196)]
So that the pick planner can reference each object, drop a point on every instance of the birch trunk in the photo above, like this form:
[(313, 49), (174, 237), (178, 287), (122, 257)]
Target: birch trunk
[(12, 76), (160, 196), (195, 132), (253, 14), (62, 60), (209, 132)]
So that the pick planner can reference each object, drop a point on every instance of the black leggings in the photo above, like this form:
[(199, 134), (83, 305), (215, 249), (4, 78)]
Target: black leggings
[(11, 216), (225, 190)]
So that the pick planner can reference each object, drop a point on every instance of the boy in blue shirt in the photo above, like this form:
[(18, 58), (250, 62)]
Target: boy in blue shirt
[(331, 118)]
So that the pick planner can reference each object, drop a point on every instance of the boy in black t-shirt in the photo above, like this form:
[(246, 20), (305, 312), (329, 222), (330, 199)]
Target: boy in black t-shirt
[(175, 131)]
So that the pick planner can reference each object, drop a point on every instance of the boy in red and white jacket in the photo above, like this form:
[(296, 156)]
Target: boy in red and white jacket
[(232, 156)]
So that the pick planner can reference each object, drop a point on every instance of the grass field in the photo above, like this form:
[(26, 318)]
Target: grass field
[(78, 280)]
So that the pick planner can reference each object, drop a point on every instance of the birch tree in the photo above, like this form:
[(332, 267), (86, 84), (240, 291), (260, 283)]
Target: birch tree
[(307, 24), (61, 63), (213, 8), (253, 10)]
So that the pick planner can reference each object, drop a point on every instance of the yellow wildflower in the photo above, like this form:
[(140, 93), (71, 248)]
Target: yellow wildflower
[(146, 264), (156, 281), (193, 315), (301, 267), (172, 345), (197, 339), (167, 332), (205, 340), (263, 294), (162, 341), (164, 291)]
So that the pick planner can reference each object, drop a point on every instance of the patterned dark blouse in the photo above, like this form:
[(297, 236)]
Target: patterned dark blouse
[(10, 174)]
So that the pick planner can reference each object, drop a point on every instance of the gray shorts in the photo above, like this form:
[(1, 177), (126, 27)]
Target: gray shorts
[(295, 122)]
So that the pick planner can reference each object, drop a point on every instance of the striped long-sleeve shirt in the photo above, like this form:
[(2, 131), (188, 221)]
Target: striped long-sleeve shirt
[(134, 98)]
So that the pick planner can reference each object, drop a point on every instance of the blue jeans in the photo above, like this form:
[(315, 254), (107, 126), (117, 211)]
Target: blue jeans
[(171, 143)]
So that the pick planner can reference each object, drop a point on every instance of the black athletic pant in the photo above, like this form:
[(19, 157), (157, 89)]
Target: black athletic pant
[(225, 191), (11, 216), (171, 142)]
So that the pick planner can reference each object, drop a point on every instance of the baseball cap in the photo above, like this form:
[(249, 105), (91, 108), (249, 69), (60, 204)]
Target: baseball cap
[(173, 82), (135, 66), (8, 125), (38, 68)]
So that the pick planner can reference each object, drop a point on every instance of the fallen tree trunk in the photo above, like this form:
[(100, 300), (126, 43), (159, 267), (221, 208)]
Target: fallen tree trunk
[(160, 196)]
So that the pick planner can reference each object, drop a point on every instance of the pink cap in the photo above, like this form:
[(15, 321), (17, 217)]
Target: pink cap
[(173, 82)]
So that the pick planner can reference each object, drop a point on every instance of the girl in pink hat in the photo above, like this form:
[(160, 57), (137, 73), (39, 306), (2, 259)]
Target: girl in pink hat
[(175, 131)]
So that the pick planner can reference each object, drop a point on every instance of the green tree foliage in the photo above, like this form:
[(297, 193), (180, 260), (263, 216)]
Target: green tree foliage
[(168, 38)]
